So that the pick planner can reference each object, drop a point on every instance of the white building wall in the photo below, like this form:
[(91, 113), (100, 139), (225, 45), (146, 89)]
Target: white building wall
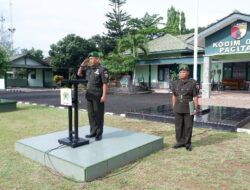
[(38, 82), (18, 62), (2, 86), (32, 62)]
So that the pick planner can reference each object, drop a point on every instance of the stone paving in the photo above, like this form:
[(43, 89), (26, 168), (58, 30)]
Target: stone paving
[(228, 99)]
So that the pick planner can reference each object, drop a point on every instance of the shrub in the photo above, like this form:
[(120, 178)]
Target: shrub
[(57, 79)]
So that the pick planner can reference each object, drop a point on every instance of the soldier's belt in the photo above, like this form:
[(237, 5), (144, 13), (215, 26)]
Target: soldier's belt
[(181, 97), (184, 100), (95, 86)]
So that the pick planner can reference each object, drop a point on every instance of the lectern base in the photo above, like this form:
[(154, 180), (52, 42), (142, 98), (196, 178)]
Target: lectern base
[(73, 142)]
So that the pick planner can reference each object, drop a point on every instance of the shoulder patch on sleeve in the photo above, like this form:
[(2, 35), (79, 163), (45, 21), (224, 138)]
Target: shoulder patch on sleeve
[(197, 85)]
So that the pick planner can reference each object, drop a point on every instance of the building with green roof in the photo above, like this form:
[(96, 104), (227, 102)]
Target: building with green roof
[(165, 54), (27, 71), (223, 56)]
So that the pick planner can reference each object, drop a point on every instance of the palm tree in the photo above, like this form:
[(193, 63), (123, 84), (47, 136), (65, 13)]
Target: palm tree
[(132, 44)]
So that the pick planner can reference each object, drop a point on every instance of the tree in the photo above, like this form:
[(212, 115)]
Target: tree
[(4, 61), (36, 53), (117, 64), (133, 43), (200, 29), (173, 22), (147, 25), (117, 19), (183, 23), (69, 52), (103, 44)]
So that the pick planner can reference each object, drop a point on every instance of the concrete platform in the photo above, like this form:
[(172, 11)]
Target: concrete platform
[(118, 147)]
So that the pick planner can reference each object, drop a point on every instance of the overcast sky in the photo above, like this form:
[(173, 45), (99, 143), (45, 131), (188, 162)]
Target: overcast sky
[(39, 23)]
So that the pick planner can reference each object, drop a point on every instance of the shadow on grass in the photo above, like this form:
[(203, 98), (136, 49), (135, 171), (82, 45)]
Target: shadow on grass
[(8, 111), (30, 107), (166, 146), (163, 133), (214, 139), (23, 108)]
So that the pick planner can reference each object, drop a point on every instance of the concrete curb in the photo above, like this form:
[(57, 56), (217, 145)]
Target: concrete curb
[(30, 90), (241, 130), (61, 107)]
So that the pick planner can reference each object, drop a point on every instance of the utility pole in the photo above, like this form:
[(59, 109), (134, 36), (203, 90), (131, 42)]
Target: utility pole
[(2, 19), (11, 28)]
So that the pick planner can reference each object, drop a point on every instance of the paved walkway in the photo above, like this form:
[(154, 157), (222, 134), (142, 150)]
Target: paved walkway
[(228, 98), (240, 99)]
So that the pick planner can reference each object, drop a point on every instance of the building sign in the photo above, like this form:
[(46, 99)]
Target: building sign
[(66, 98), (239, 30), (236, 45), (233, 46), (233, 39)]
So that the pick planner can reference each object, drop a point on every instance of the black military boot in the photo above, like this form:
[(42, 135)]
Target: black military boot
[(189, 148), (177, 146), (98, 138), (90, 135)]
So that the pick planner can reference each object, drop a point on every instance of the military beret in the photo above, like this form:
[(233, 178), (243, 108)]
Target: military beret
[(183, 67), (93, 54)]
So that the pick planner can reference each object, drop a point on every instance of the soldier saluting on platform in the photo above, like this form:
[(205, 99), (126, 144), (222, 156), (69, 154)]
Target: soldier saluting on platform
[(97, 76), (184, 91)]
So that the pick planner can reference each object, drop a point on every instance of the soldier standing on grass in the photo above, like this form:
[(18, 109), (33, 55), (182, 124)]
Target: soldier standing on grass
[(184, 91), (97, 77)]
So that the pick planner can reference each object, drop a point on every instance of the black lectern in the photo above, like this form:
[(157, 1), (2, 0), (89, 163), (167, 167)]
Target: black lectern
[(73, 140)]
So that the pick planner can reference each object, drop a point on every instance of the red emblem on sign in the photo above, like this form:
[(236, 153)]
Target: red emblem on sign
[(184, 67), (239, 30), (106, 75)]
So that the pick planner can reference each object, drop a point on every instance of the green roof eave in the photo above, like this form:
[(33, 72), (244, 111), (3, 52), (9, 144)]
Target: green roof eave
[(14, 58), (30, 66), (170, 51), (168, 60)]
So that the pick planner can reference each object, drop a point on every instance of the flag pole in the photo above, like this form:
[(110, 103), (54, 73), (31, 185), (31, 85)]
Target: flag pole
[(195, 40)]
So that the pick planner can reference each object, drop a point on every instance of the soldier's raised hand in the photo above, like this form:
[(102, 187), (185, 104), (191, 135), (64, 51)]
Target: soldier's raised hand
[(85, 62)]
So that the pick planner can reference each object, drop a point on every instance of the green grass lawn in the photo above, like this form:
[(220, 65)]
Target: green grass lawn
[(219, 160)]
